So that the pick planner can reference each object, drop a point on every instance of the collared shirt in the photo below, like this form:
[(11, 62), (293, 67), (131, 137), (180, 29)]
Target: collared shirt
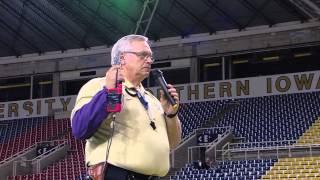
[(135, 145)]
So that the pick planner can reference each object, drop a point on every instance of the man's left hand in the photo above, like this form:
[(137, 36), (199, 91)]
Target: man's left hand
[(166, 105)]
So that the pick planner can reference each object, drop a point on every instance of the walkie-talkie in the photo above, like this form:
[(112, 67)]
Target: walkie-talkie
[(114, 96)]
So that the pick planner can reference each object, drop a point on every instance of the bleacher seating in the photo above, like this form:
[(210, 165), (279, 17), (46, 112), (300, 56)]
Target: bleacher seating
[(73, 165), (302, 167), (263, 119), (312, 135), (273, 118), (241, 169), (22, 133), (70, 167), (194, 115), (269, 118), (277, 120), (295, 168)]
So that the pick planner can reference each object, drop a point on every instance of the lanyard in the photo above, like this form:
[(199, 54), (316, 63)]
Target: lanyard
[(144, 104), (142, 100)]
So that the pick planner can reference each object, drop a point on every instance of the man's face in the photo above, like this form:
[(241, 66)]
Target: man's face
[(137, 62)]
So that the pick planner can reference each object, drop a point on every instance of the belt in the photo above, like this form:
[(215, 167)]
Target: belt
[(114, 172), (129, 174)]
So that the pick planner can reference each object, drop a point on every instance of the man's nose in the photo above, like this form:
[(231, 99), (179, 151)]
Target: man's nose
[(149, 60)]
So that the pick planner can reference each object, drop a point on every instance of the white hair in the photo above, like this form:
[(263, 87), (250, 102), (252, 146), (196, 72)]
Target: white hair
[(124, 44)]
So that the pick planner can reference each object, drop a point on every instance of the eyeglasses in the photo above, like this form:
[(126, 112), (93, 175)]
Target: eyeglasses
[(144, 55)]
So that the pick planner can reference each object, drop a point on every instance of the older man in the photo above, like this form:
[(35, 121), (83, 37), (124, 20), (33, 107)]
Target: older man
[(135, 142)]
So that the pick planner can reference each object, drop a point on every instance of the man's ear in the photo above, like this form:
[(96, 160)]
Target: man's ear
[(122, 60)]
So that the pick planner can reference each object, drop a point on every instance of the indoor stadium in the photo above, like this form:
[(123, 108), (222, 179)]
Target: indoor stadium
[(245, 94)]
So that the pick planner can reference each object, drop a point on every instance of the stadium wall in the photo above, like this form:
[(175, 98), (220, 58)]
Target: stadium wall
[(193, 92)]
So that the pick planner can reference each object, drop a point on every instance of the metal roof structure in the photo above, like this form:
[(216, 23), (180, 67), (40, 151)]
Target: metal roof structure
[(38, 26)]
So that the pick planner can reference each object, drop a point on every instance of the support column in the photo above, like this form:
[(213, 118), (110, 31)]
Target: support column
[(223, 68), (194, 65), (55, 84), (194, 75), (31, 86)]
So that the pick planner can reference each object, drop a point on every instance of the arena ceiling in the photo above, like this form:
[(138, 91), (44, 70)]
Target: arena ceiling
[(38, 26)]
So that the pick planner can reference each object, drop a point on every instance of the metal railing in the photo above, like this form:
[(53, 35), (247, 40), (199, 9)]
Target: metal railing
[(194, 151), (191, 149), (29, 148), (35, 162), (174, 155), (295, 150), (258, 144)]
